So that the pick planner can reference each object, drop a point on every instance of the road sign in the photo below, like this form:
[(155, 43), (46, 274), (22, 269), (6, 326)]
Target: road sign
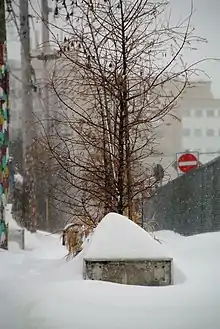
[(187, 161)]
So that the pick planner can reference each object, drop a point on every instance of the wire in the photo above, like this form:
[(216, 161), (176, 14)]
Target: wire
[(191, 151)]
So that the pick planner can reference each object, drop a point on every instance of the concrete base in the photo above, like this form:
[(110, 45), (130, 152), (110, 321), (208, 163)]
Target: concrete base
[(152, 272)]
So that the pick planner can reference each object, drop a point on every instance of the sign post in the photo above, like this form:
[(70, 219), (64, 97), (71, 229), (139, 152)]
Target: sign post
[(187, 161)]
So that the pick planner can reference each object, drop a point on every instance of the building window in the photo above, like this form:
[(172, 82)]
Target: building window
[(198, 133), (186, 113), (210, 113), (210, 132), (186, 132), (198, 113)]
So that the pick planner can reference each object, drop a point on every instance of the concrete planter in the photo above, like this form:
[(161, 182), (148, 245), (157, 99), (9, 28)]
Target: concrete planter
[(142, 272)]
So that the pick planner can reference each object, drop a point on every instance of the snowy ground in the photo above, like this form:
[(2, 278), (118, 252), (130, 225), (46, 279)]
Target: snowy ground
[(40, 290)]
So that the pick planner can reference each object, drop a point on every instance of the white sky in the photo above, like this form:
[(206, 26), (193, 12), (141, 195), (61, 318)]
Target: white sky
[(206, 20)]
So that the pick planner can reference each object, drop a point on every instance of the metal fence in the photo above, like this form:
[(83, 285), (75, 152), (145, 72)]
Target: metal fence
[(190, 204)]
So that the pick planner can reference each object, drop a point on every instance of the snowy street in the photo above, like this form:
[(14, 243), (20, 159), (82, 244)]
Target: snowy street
[(42, 290), (109, 164)]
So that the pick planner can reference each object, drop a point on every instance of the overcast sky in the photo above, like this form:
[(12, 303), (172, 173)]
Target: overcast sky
[(206, 21)]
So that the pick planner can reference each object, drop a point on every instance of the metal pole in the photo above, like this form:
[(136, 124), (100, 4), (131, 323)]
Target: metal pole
[(46, 51), (4, 128), (47, 56), (29, 202), (142, 210), (22, 239)]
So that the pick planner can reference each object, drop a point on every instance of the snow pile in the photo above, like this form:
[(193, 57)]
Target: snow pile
[(194, 304), (9, 219), (44, 291), (42, 244), (169, 236), (117, 237)]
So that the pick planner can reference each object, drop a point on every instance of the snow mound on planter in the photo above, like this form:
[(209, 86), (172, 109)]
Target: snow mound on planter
[(117, 237)]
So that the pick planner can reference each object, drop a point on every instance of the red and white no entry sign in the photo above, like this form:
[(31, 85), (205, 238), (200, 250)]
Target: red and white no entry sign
[(187, 161)]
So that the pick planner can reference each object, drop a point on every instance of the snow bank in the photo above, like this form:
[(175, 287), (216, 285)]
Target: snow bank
[(169, 237), (43, 292), (9, 219), (44, 246), (194, 304), (117, 237)]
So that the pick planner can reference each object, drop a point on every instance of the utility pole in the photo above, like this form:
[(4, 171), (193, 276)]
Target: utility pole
[(4, 128), (46, 56), (46, 51), (29, 195)]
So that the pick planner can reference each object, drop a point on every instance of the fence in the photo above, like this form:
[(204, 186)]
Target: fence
[(190, 204)]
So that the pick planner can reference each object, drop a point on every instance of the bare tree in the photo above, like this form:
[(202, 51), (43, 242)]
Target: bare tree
[(121, 69)]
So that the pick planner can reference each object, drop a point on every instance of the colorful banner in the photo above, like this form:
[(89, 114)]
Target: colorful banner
[(4, 142)]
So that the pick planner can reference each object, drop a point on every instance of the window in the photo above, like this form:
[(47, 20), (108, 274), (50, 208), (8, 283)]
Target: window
[(186, 132), (198, 133), (210, 132), (198, 113), (210, 113), (186, 113)]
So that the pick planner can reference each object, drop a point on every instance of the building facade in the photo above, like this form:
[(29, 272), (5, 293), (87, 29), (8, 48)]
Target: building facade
[(201, 122), (194, 126)]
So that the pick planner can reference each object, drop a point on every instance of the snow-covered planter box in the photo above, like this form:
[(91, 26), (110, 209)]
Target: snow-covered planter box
[(122, 252), (152, 272)]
